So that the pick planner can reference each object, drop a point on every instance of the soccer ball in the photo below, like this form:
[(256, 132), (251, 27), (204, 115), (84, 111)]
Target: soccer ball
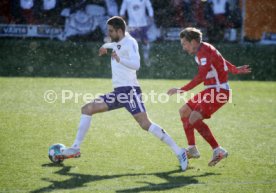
[(54, 153)]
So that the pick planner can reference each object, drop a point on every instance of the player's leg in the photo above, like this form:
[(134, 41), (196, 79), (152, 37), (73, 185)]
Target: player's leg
[(203, 110), (104, 103), (185, 112), (136, 107), (87, 111), (157, 131), (146, 53), (145, 45), (101, 104), (195, 119), (146, 124), (192, 151), (206, 133)]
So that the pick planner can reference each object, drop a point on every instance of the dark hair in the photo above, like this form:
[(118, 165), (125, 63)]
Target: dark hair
[(117, 23), (191, 33)]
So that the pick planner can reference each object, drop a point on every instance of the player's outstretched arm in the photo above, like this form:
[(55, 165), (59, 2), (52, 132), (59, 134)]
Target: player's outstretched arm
[(173, 91), (245, 69)]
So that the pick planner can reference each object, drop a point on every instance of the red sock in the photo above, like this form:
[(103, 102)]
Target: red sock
[(189, 131), (206, 133)]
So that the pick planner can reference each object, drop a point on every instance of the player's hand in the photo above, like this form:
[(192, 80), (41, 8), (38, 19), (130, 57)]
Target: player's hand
[(245, 69), (115, 56), (102, 51), (173, 91)]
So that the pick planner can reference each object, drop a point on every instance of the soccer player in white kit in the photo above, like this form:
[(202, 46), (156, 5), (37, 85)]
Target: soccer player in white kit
[(138, 22), (125, 61)]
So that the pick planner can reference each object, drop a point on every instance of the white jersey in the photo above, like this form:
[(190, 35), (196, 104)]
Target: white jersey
[(124, 73), (136, 10)]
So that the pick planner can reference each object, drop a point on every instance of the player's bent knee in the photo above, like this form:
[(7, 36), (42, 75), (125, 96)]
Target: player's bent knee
[(185, 111), (182, 113), (194, 117), (86, 109), (89, 109)]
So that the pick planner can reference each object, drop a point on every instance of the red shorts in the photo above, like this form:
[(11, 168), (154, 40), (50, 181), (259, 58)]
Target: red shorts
[(208, 101)]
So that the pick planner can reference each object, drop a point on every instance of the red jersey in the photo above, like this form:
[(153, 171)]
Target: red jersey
[(212, 68)]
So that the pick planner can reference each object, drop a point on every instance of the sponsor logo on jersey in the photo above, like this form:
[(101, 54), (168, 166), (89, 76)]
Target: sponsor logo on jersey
[(203, 61)]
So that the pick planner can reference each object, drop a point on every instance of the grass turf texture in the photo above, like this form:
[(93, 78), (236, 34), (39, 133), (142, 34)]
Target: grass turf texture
[(118, 156)]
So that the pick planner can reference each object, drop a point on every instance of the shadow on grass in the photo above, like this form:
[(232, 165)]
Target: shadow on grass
[(79, 180)]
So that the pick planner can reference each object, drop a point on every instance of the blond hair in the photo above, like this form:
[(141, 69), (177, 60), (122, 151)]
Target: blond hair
[(191, 33)]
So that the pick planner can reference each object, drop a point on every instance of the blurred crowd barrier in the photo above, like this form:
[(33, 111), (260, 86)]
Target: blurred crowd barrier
[(220, 20)]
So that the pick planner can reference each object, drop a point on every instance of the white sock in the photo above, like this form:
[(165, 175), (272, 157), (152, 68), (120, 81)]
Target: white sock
[(163, 136), (83, 128)]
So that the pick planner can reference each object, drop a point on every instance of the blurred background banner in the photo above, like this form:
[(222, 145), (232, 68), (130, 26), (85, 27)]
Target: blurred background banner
[(247, 20), (21, 30)]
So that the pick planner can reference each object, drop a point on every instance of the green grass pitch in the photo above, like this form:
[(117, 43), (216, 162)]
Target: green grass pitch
[(118, 156)]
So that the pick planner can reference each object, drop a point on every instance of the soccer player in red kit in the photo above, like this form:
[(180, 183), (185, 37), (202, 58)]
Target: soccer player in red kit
[(213, 71)]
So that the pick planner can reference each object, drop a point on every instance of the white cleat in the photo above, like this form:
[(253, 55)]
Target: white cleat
[(70, 152), (218, 155), (192, 152), (183, 159)]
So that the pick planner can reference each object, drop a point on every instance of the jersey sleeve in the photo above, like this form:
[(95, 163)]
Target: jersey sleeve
[(132, 60), (231, 68), (227, 65), (109, 45), (203, 69)]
